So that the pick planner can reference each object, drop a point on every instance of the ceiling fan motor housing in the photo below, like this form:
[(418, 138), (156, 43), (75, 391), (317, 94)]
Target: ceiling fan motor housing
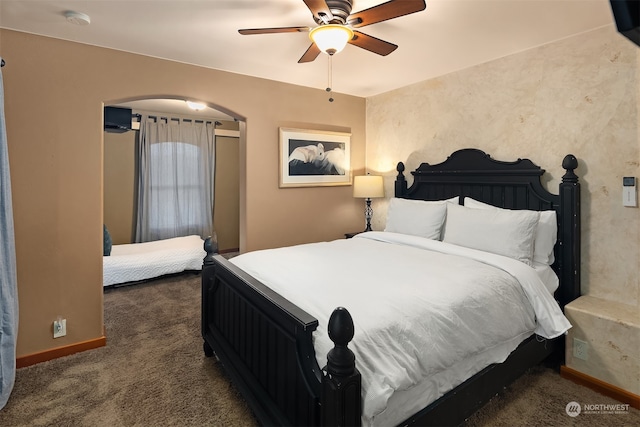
[(331, 15), (341, 9)]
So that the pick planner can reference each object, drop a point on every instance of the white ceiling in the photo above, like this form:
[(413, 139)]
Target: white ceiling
[(449, 35)]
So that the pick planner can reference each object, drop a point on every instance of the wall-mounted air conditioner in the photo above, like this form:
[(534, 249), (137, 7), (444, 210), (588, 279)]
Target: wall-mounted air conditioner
[(117, 120)]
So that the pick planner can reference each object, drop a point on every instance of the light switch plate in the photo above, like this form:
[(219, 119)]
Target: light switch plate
[(629, 195)]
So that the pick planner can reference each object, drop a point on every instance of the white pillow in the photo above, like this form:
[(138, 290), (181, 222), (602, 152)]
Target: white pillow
[(454, 200), (499, 231), (416, 217), (546, 233)]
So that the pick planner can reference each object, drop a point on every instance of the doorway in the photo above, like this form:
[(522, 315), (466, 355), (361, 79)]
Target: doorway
[(119, 182)]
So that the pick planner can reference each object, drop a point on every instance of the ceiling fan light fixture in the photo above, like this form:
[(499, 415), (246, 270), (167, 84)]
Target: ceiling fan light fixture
[(331, 38)]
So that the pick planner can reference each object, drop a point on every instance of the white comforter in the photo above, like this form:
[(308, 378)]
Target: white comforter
[(141, 261), (419, 306)]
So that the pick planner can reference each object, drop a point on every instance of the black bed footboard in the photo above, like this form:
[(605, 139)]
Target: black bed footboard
[(258, 336), (265, 344)]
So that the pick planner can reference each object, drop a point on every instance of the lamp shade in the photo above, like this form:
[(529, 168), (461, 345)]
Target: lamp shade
[(331, 38), (368, 186)]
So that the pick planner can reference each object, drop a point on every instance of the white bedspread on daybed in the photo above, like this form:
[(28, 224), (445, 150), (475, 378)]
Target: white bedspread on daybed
[(141, 261), (415, 321)]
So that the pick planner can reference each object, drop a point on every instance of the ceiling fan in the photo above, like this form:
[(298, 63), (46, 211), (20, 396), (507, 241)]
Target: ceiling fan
[(336, 26)]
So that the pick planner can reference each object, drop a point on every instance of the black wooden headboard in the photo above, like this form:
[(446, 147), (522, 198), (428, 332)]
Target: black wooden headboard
[(512, 185)]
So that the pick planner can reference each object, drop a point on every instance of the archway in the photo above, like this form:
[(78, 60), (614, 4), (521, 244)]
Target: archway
[(119, 167)]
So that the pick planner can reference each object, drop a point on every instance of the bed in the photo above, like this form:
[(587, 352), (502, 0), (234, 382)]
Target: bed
[(141, 261), (273, 348)]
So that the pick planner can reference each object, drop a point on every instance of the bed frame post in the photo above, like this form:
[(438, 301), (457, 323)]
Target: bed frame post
[(401, 182), (341, 381), (569, 232), (211, 248)]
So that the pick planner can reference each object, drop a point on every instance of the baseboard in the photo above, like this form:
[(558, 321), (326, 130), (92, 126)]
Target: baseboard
[(600, 386), (54, 353), (227, 251)]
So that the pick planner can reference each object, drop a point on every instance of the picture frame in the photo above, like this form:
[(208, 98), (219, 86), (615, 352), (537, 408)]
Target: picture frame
[(314, 158)]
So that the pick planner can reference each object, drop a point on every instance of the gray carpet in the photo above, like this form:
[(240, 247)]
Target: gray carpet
[(153, 373)]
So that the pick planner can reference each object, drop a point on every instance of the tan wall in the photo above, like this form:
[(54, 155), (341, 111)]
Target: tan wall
[(54, 96), (226, 215), (119, 185), (580, 96)]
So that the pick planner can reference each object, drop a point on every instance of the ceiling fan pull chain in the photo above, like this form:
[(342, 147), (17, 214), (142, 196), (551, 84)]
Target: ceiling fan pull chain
[(329, 78)]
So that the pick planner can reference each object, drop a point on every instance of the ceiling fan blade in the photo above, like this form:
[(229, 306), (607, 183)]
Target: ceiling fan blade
[(273, 30), (310, 55), (372, 44), (319, 9), (385, 11)]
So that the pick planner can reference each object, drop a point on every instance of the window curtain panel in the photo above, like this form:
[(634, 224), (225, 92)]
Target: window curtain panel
[(176, 170), (8, 275)]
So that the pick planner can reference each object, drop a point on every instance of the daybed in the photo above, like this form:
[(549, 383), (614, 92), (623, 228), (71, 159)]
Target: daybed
[(142, 261), (265, 314)]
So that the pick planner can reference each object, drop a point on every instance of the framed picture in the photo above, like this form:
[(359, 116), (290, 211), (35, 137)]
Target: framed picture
[(313, 158)]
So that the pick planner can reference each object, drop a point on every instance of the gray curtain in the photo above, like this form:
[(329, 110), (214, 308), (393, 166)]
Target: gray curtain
[(8, 275), (176, 161)]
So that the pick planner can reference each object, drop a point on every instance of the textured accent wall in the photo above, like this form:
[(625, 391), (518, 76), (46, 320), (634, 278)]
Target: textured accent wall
[(579, 95)]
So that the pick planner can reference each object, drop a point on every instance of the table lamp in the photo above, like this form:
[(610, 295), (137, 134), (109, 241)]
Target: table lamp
[(367, 187)]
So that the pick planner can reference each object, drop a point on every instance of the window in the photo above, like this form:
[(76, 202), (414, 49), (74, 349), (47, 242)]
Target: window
[(175, 179), (176, 200)]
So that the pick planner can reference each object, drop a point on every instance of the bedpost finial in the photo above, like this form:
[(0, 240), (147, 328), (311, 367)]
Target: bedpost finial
[(341, 328), (400, 169), (211, 245), (211, 248), (401, 181), (340, 359), (569, 163), (341, 383)]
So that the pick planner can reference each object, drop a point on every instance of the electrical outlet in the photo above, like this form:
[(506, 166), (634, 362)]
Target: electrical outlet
[(580, 349), (59, 328)]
